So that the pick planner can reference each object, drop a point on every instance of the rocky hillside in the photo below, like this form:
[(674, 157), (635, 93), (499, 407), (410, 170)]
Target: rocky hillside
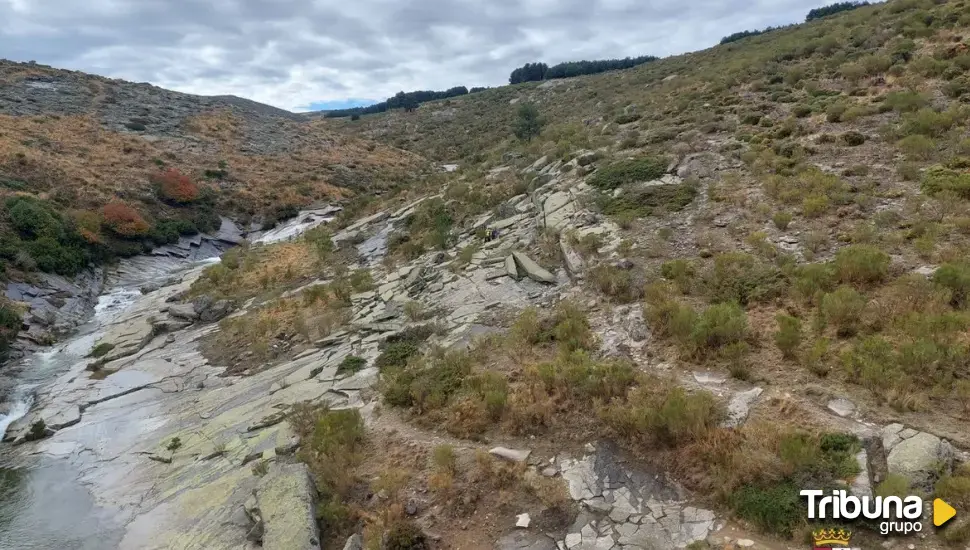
[(92, 169), (686, 291)]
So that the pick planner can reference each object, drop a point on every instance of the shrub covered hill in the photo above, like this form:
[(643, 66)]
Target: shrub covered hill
[(91, 167)]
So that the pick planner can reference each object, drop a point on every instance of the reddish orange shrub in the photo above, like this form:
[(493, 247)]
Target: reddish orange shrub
[(175, 186), (124, 220)]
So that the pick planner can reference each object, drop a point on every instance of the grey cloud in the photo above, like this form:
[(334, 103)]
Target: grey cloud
[(290, 53)]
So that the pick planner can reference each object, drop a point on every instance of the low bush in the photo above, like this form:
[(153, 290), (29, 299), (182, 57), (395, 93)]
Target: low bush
[(917, 147), (124, 221), (781, 220), (843, 309), (405, 535), (717, 327), (681, 272), (622, 285), (175, 187), (628, 171), (939, 180), (660, 412), (102, 349), (646, 201), (351, 364), (861, 265), (742, 278), (956, 278), (853, 139), (788, 337)]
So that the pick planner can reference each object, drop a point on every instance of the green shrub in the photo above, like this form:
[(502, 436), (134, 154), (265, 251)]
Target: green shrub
[(351, 364), (718, 326), (938, 179), (956, 278), (927, 122), (33, 218), (861, 265), (576, 376), (835, 111), (627, 118), (781, 220), (789, 334), (810, 279), (663, 413), (11, 322), (895, 485), (843, 309), (430, 383), (668, 317), (871, 363), (905, 101), (773, 508), (623, 285), (405, 535), (628, 171), (917, 147), (801, 111), (645, 201), (396, 355), (853, 139), (681, 272), (102, 349), (571, 329), (742, 278)]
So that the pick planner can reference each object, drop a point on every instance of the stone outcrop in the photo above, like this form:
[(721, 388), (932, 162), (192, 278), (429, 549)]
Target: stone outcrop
[(286, 505), (920, 457), (531, 269)]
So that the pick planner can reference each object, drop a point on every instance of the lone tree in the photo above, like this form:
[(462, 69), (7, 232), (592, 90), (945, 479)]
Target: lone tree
[(528, 125)]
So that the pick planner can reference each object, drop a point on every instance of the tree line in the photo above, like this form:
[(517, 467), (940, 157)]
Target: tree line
[(531, 72), (814, 14), (408, 101)]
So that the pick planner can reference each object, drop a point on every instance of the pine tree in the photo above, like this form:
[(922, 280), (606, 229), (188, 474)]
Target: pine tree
[(528, 125)]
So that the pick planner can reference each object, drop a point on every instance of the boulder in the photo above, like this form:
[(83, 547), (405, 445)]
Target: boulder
[(533, 270), (510, 268), (210, 310), (574, 262), (512, 455), (285, 497), (183, 311), (921, 459)]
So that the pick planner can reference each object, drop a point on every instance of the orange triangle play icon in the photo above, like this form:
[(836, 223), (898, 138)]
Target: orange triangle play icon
[(942, 512)]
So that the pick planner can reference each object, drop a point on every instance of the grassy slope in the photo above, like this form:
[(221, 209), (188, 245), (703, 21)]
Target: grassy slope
[(789, 110)]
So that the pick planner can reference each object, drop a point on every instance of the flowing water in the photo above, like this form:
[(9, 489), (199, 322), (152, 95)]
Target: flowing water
[(43, 503)]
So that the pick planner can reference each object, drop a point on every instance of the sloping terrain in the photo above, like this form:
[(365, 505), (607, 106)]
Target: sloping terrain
[(690, 290), (92, 169)]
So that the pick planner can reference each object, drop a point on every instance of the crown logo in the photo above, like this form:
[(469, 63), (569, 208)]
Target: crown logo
[(839, 537)]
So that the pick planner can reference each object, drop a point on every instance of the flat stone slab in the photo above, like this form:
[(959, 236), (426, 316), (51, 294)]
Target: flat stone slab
[(286, 503), (738, 407), (533, 270), (512, 455)]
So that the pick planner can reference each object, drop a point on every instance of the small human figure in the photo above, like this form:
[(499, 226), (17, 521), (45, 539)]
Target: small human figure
[(493, 234)]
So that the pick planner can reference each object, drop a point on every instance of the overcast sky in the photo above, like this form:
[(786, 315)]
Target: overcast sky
[(296, 54)]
